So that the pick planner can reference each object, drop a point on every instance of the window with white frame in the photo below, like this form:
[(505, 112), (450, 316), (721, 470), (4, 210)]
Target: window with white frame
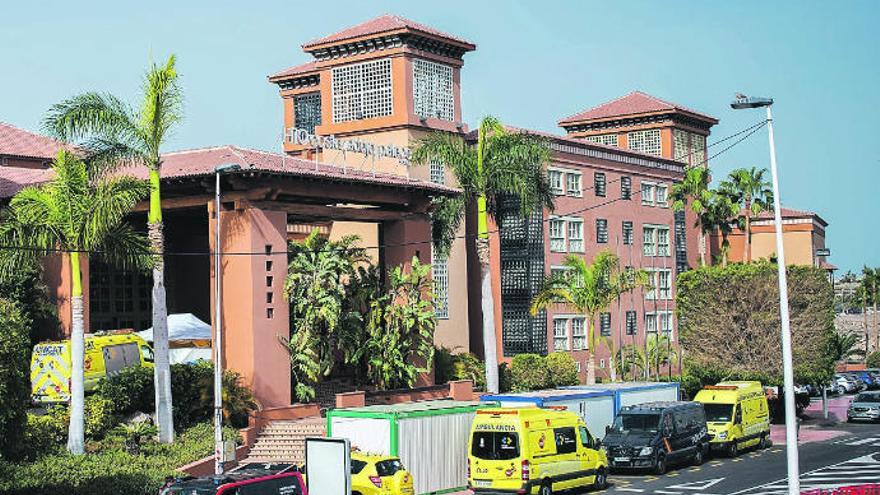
[(440, 274), (576, 235), (438, 172), (650, 322), (578, 334), (606, 139), (648, 189), (627, 229), (601, 230), (573, 184), (560, 334), (605, 324), (432, 90), (660, 195), (665, 320), (362, 91), (655, 240), (625, 187), (555, 178), (557, 270), (557, 235), (647, 141), (661, 283), (307, 111)]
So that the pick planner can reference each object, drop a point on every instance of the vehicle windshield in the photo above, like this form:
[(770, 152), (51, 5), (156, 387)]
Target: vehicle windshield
[(357, 466), (867, 398), (388, 467), (718, 413), (636, 422), (495, 445)]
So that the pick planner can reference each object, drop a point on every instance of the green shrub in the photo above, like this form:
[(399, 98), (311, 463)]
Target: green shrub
[(561, 370), (505, 378), (25, 287), (111, 471), (15, 384), (873, 360), (529, 372), (130, 390), (449, 366), (44, 435), (100, 417)]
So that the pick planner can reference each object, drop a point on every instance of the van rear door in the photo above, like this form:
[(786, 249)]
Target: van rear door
[(50, 373), (497, 459)]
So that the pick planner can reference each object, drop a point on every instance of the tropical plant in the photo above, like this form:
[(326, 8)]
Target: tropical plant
[(562, 370), (27, 289), (115, 135), (135, 434), (529, 372), (660, 352), (632, 361), (844, 346), (400, 329), (316, 288), (500, 164), (719, 212), (694, 191), (753, 193), (589, 289), (74, 214), (868, 292)]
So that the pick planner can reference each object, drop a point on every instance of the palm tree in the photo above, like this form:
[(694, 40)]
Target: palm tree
[(754, 194), (115, 135), (844, 346), (868, 288), (502, 164), (75, 214), (694, 189), (719, 212), (588, 289), (660, 351)]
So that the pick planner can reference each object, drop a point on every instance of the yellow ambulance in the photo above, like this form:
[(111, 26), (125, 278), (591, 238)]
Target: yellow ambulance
[(105, 354), (533, 450), (737, 415)]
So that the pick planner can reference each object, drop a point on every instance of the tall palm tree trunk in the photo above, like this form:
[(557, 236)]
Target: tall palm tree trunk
[(702, 247), (76, 429), (748, 247), (162, 370), (591, 360), (490, 346)]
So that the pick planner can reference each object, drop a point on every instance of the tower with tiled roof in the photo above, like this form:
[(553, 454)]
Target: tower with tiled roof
[(645, 123), (385, 81)]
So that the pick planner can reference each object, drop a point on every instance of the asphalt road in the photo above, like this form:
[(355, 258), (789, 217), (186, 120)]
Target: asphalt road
[(850, 459)]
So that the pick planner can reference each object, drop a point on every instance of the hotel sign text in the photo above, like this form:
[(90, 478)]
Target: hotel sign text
[(303, 137)]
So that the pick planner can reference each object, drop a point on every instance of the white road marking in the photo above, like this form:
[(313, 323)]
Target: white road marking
[(635, 490), (698, 485), (858, 470), (664, 492)]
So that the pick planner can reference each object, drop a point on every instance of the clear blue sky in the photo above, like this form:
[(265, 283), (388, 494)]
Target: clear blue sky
[(535, 63)]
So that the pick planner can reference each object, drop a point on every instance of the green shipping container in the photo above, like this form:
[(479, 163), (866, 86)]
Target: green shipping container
[(430, 437)]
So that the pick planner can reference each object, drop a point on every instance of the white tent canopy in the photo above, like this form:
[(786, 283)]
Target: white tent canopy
[(188, 336), (182, 326)]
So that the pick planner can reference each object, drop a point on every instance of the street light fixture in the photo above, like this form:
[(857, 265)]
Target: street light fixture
[(218, 325), (791, 450)]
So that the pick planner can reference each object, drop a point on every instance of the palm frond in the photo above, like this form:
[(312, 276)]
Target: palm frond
[(446, 218), (162, 107)]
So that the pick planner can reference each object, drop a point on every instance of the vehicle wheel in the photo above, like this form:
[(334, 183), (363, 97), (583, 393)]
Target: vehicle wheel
[(601, 481), (733, 450), (660, 465), (699, 456), (546, 488)]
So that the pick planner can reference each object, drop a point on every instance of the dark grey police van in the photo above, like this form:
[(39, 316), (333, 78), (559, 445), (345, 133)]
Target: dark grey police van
[(653, 435)]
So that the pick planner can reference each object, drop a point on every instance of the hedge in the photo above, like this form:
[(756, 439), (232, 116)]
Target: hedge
[(112, 471), (15, 385), (729, 322)]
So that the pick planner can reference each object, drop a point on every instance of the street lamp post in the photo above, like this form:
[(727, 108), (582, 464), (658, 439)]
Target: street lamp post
[(791, 450), (218, 323)]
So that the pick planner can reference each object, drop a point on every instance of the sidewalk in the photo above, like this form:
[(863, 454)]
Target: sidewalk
[(814, 427)]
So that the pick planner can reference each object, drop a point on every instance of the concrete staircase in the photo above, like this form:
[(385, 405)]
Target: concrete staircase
[(285, 441)]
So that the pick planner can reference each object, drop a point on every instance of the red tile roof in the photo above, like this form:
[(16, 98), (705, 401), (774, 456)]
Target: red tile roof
[(295, 70), (791, 213), (382, 24), (22, 143), (201, 162), (631, 104)]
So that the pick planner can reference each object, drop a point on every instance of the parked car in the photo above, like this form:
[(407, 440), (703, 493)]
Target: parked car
[(737, 414), (250, 479), (864, 407), (865, 378), (846, 384), (379, 475), (656, 434), (533, 450)]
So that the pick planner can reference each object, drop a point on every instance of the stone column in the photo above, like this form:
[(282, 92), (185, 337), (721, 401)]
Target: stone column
[(255, 313)]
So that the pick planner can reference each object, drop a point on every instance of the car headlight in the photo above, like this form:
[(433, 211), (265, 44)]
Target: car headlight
[(722, 435), (646, 451)]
